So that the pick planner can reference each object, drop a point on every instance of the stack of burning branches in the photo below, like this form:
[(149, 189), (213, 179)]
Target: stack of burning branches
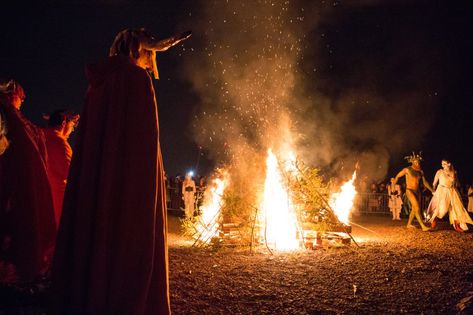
[(226, 214), (238, 214), (322, 208)]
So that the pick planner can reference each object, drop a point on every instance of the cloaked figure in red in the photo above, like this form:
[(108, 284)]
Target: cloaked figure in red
[(111, 255), (61, 124), (27, 227)]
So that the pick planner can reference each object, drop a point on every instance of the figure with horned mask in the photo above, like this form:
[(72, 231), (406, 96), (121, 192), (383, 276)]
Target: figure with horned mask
[(111, 255), (414, 175)]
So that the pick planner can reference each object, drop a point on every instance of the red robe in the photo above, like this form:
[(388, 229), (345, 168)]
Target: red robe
[(59, 159), (26, 208), (111, 253)]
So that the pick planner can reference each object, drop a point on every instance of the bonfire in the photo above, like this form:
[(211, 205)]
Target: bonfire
[(296, 209)]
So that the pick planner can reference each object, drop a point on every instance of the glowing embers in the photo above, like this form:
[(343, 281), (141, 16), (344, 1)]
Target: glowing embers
[(277, 213), (342, 202)]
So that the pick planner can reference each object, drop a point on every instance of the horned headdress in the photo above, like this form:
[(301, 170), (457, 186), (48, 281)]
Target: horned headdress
[(414, 157), (10, 86), (134, 42)]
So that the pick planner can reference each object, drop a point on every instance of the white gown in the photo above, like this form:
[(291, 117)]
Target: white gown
[(188, 193), (447, 199), (395, 200)]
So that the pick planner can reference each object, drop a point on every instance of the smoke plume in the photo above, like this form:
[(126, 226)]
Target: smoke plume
[(272, 73)]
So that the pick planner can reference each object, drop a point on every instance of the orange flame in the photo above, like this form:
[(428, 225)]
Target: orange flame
[(342, 201), (212, 204), (277, 210)]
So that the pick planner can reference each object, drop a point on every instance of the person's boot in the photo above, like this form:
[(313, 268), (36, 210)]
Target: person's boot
[(457, 227)]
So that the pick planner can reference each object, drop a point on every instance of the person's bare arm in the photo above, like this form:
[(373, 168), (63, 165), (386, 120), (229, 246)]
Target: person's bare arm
[(436, 180), (426, 184), (399, 175)]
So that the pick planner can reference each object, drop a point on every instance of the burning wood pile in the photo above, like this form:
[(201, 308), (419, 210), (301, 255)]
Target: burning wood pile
[(296, 209)]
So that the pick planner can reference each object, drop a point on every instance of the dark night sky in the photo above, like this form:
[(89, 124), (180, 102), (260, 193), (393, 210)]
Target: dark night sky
[(422, 49)]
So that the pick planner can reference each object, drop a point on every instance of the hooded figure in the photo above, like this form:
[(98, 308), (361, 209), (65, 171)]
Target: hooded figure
[(27, 227), (4, 143), (111, 255), (61, 124)]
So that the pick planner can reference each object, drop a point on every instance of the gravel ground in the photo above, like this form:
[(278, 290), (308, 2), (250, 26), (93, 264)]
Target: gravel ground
[(394, 270)]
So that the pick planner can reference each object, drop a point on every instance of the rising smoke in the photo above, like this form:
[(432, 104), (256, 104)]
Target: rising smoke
[(266, 75)]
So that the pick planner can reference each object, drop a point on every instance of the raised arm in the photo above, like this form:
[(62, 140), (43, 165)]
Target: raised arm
[(165, 44)]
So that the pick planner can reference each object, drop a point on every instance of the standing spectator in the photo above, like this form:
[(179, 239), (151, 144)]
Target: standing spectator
[(61, 124), (363, 185), (4, 143), (188, 194), (383, 189), (395, 200), (27, 227), (373, 199), (200, 193), (111, 255), (202, 184), (383, 197), (176, 196)]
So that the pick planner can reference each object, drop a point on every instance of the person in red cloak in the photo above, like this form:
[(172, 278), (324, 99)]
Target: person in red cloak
[(27, 227), (4, 143), (61, 124), (111, 255)]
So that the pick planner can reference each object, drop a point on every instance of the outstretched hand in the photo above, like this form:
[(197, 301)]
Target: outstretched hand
[(184, 35)]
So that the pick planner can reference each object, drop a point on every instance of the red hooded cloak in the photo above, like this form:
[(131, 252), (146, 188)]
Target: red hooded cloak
[(26, 208), (111, 253), (59, 159)]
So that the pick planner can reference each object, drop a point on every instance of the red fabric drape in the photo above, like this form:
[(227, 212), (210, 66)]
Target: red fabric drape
[(111, 253), (26, 208), (59, 159)]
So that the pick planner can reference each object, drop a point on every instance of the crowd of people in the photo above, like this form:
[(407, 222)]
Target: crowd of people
[(87, 220), (383, 186), (185, 193), (95, 221), (34, 166), (417, 199)]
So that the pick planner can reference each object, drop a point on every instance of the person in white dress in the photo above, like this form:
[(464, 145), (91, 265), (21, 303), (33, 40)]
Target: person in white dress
[(447, 199), (395, 200), (188, 194)]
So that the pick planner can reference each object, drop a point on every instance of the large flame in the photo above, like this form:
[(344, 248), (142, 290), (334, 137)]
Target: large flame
[(342, 201), (277, 211), (210, 210)]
